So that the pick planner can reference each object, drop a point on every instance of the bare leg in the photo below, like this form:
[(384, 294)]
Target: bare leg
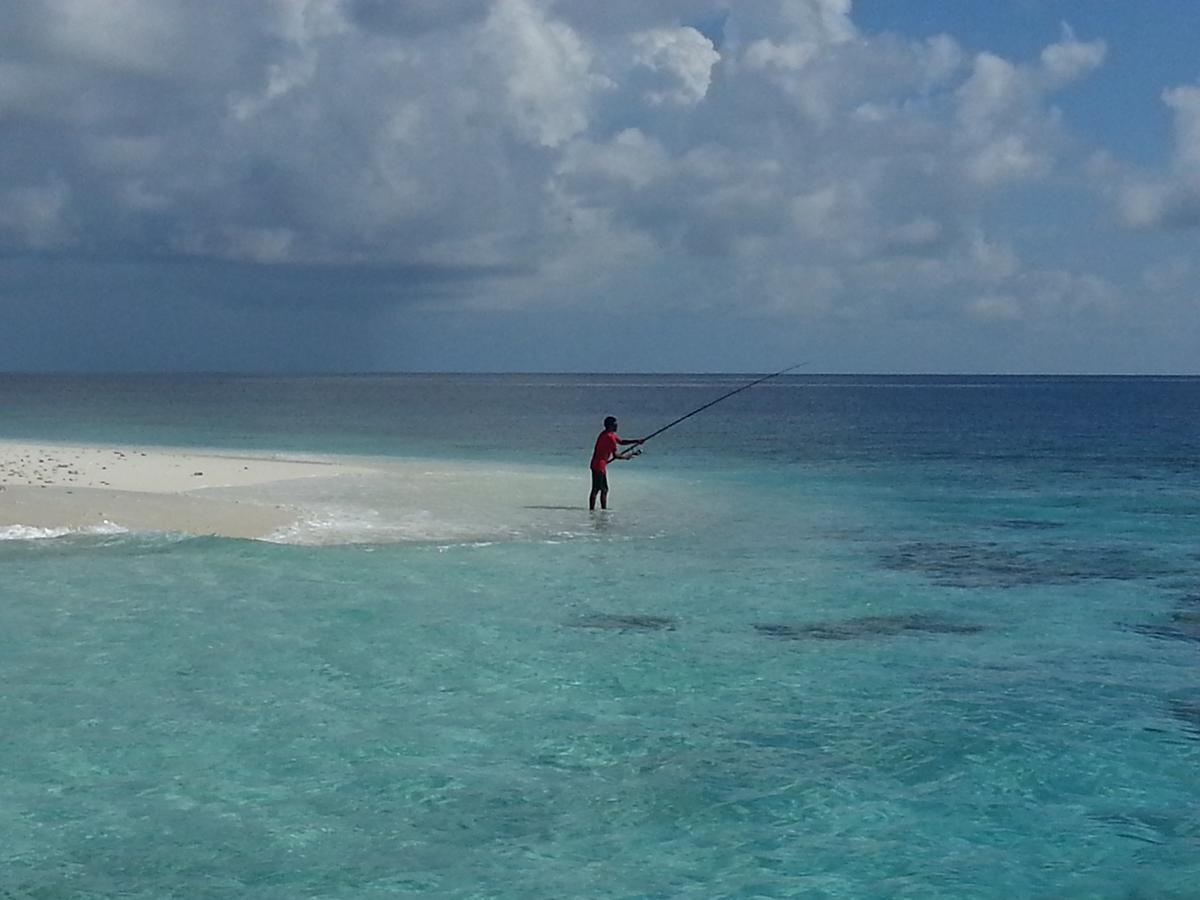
[(599, 488)]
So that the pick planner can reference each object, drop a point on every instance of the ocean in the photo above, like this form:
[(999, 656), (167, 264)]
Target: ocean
[(838, 637)]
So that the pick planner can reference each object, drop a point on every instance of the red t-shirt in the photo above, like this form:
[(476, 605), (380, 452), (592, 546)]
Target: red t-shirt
[(606, 446)]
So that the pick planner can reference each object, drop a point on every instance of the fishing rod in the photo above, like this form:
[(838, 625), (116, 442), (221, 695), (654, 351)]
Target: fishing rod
[(744, 387)]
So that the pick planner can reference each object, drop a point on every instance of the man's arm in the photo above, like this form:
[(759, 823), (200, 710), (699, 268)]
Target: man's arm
[(630, 455)]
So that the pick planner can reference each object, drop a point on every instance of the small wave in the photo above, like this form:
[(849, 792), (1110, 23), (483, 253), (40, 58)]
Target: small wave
[(444, 548), (345, 526), (33, 533)]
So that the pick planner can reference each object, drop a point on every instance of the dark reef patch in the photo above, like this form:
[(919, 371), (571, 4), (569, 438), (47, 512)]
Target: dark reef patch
[(1183, 624), (624, 622), (1187, 712), (965, 564), (976, 564), (867, 627), (1181, 628), (1151, 826), (1027, 525)]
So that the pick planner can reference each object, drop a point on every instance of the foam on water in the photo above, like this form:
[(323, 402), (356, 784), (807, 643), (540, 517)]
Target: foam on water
[(33, 533), (439, 501)]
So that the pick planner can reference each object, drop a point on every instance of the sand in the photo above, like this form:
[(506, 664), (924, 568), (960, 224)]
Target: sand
[(62, 487)]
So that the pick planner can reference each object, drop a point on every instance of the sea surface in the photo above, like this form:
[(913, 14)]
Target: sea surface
[(838, 637)]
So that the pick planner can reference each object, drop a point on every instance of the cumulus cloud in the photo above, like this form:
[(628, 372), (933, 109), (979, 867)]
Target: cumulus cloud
[(773, 151), (546, 69), (630, 157), (825, 21), (1171, 199), (684, 55), (1185, 102), (1005, 131), (1071, 59)]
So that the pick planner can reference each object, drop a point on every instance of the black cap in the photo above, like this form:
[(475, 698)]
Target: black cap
[(610, 421)]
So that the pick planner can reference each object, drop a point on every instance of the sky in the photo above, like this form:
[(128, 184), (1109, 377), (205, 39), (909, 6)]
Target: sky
[(309, 186)]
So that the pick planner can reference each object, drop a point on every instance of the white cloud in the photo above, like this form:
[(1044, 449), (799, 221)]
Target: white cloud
[(546, 69), (796, 162), (1170, 274), (37, 216), (1146, 204), (990, 260), (1185, 103), (1077, 295), (1007, 157), (630, 157), (32, 90), (1006, 131), (798, 55), (812, 291), (131, 35), (998, 123), (831, 214), (820, 21), (1170, 199), (920, 231), (240, 244), (997, 92), (305, 21), (995, 308), (1071, 59), (685, 55), (282, 78), (766, 54)]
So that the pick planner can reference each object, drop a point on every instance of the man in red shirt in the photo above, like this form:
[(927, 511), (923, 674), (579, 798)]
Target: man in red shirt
[(605, 452)]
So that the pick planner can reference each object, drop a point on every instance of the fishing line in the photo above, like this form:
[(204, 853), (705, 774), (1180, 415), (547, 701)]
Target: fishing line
[(699, 409)]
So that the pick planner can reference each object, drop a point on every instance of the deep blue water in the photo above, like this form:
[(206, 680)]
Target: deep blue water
[(839, 637)]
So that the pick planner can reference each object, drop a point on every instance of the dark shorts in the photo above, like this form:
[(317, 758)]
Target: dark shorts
[(599, 481)]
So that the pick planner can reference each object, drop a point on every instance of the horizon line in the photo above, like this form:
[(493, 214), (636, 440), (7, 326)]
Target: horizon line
[(369, 373)]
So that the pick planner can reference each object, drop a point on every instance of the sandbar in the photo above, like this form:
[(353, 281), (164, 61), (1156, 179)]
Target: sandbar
[(50, 486)]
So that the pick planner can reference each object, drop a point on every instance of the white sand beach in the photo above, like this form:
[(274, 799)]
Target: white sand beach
[(59, 486), (49, 489)]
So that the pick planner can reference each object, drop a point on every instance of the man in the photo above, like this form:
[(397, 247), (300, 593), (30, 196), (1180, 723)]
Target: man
[(605, 452)]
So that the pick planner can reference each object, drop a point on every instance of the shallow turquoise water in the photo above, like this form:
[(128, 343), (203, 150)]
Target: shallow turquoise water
[(877, 642)]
